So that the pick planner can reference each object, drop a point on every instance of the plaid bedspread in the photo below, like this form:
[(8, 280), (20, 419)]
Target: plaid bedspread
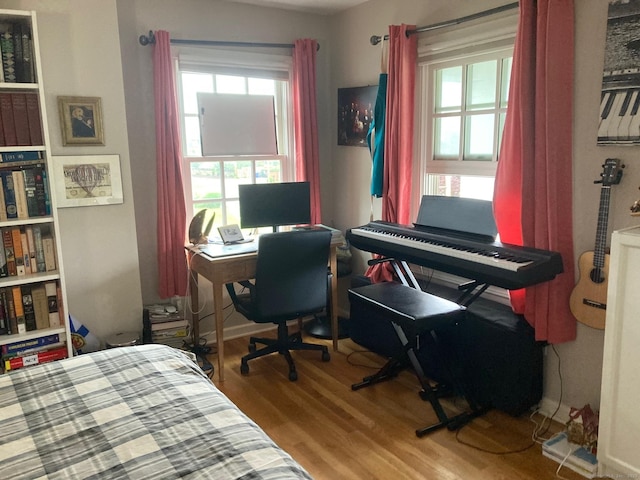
[(144, 412)]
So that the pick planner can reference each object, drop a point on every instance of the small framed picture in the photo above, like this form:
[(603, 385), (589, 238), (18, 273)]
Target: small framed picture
[(81, 120), (87, 180), (230, 234)]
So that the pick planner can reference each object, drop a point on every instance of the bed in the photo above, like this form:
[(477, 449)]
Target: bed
[(143, 412)]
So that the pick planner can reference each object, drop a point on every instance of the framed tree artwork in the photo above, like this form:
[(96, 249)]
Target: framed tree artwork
[(81, 120)]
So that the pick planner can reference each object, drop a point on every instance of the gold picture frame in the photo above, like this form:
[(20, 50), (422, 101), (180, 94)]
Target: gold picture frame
[(81, 120)]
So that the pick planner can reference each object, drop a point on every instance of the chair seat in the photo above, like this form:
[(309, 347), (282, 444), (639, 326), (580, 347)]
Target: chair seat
[(412, 309)]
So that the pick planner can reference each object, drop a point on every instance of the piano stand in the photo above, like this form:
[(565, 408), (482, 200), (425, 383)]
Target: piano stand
[(411, 313)]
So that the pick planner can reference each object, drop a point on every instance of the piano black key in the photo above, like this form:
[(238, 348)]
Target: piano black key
[(625, 103), (608, 105), (636, 104)]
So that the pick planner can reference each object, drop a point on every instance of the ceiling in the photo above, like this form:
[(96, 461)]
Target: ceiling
[(322, 7)]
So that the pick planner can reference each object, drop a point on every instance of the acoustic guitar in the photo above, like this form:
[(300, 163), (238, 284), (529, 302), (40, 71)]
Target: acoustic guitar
[(588, 301)]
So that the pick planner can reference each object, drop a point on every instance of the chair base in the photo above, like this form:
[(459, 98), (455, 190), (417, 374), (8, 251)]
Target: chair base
[(320, 327), (282, 345)]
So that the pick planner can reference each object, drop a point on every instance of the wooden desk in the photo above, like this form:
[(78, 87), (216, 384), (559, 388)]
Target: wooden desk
[(222, 270)]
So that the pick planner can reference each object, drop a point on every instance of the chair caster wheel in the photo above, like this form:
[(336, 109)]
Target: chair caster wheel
[(244, 368), (252, 347), (326, 356), (293, 376)]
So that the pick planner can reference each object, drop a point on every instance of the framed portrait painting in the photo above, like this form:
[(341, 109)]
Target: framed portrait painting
[(81, 120), (87, 180), (355, 113)]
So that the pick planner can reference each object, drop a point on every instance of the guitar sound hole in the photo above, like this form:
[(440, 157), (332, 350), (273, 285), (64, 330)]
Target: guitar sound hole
[(596, 275)]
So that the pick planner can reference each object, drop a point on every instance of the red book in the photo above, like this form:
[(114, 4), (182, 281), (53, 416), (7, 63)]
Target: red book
[(20, 118), (6, 116), (35, 358), (33, 115)]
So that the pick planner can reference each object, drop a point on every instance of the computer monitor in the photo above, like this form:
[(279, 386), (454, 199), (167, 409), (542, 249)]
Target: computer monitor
[(274, 204)]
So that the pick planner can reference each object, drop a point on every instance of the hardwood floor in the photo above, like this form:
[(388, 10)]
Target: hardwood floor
[(337, 433)]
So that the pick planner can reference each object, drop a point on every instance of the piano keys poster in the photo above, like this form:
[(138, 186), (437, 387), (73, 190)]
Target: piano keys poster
[(620, 99)]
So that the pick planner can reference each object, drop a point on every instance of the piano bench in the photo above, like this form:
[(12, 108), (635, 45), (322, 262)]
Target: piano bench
[(413, 312)]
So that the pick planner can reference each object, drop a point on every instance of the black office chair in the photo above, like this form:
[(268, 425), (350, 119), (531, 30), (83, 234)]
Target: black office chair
[(290, 283)]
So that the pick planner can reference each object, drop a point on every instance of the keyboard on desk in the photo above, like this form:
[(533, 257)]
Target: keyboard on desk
[(476, 258)]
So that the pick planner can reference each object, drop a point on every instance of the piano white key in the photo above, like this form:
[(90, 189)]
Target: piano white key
[(606, 98), (606, 115), (613, 119), (503, 263)]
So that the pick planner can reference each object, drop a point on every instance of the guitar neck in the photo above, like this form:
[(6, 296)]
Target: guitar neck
[(603, 223)]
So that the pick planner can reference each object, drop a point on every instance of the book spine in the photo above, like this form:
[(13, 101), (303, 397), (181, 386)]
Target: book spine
[(4, 321), (29, 179), (48, 245), (39, 192), (4, 272), (7, 242), (6, 115), (9, 194), (3, 205), (18, 308), (33, 118), (37, 240), (20, 118), (8, 58), (31, 248), (40, 306), (25, 251), (19, 156), (17, 251), (27, 56), (9, 313), (52, 299), (36, 358), (20, 194), (27, 307), (18, 57)]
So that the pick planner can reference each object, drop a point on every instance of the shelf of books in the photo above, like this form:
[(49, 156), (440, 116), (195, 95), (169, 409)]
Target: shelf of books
[(34, 327)]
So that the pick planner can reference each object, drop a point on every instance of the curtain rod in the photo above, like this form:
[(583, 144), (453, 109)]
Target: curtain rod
[(151, 39), (376, 39)]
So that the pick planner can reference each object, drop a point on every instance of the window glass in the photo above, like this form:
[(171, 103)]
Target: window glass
[(212, 181)]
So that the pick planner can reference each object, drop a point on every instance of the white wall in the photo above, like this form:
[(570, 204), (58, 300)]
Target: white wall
[(81, 57)]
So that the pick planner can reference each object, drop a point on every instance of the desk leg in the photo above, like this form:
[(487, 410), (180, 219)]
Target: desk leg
[(195, 316), (218, 311), (333, 265)]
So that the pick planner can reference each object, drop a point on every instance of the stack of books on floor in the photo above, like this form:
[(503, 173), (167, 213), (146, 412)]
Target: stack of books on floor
[(165, 324), (33, 352), (570, 455)]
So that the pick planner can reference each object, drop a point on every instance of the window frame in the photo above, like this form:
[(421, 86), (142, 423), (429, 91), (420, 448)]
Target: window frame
[(453, 46), (246, 64)]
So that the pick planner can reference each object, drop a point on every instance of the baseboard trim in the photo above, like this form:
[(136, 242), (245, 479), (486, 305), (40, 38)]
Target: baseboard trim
[(548, 406), (243, 330)]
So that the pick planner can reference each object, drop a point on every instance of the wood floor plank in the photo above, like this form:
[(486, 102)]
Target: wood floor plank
[(337, 433)]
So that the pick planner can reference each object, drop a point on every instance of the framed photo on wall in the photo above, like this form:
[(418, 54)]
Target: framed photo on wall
[(355, 113), (87, 180), (81, 120)]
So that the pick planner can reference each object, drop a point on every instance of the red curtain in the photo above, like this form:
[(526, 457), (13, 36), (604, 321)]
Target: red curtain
[(398, 137), (172, 266), (533, 187), (305, 120)]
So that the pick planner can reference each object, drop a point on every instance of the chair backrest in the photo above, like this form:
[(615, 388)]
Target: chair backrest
[(291, 274)]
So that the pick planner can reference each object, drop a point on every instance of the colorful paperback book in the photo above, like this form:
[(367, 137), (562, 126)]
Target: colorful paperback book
[(19, 156), (17, 347), (35, 359)]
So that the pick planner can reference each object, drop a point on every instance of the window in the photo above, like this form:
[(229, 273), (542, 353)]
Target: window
[(463, 102), (212, 181)]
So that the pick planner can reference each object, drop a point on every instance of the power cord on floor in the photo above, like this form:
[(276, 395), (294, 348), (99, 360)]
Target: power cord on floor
[(201, 351)]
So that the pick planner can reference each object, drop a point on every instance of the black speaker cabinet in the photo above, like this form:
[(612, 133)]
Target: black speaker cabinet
[(493, 350)]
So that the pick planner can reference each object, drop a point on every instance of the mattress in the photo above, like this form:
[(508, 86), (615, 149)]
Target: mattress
[(142, 412)]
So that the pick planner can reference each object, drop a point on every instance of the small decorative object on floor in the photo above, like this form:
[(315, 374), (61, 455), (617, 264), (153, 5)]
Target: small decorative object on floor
[(582, 428)]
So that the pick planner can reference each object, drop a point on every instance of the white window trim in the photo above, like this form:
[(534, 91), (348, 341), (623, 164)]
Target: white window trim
[(209, 59), (494, 34)]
